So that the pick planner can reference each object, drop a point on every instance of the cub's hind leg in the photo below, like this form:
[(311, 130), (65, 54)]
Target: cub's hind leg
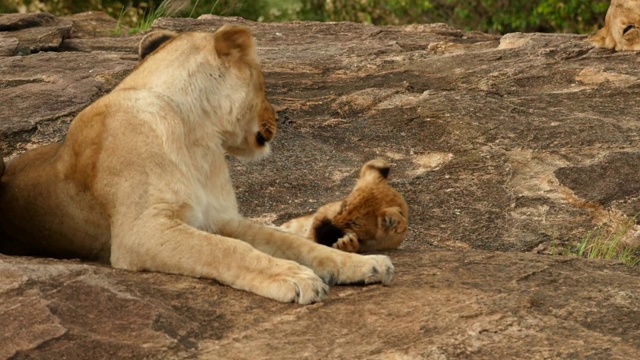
[(171, 246), (333, 265)]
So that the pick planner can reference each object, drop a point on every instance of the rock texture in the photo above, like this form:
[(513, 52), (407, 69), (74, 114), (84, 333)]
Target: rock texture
[(443, 305), (31, 33), (515, 143)]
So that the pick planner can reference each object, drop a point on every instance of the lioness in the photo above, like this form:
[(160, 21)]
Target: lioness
[(141, 181), (373, 217), (621, 30)]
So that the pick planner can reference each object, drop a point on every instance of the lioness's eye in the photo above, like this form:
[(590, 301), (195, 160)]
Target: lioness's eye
[(627, 29)]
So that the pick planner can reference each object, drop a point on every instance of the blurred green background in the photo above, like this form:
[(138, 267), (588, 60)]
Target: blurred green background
[(495, 16)]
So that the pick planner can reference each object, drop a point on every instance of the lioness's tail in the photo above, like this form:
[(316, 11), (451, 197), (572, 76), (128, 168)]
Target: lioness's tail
[(377, 167)]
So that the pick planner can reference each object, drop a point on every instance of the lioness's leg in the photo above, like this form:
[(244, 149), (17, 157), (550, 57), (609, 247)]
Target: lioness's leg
[(171, 246), (299, 226), (331, 264)]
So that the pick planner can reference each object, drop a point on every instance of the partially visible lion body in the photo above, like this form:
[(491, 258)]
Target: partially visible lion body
[(141, 180), (622, 27), (373, 217)]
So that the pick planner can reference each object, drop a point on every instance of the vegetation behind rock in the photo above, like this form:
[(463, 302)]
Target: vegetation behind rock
[(495, 16)]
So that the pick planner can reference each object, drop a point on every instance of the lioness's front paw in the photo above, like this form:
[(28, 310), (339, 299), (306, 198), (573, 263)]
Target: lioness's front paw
[(374, 269), (355, 268), (296, 283)]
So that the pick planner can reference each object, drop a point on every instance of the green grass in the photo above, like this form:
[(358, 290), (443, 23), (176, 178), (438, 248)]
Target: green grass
[(149, 17), (606, 243), (118, 30)]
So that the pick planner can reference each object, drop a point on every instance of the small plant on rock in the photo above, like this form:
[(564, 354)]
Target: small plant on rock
[(612, 243)]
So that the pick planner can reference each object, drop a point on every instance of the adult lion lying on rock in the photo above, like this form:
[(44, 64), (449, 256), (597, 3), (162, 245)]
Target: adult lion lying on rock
[(141, 179)]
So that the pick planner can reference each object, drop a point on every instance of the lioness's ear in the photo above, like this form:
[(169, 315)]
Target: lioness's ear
[(153, 41), (234, 42)]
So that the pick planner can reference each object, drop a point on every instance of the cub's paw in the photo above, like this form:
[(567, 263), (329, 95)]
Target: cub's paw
[(348, 243), (295, 283)]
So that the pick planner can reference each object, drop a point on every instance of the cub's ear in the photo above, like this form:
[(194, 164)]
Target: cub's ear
[(377, 167), (153, 41), (391, 219), (234, 43)]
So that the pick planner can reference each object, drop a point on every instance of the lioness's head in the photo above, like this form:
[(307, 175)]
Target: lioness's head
[(622, 27), (221, 81)]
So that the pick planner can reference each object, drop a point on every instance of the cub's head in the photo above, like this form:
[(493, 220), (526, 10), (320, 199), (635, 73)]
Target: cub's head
[(374, 211), (217, 81), (622, 27)]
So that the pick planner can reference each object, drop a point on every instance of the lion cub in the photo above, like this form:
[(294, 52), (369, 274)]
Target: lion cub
[(373, 217)]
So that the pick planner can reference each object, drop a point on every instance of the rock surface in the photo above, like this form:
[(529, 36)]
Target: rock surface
[(513, 143), (443, 305)]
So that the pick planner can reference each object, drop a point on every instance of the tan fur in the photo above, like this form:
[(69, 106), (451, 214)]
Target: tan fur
[(373, 217), (141, 180), (622, 27)]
